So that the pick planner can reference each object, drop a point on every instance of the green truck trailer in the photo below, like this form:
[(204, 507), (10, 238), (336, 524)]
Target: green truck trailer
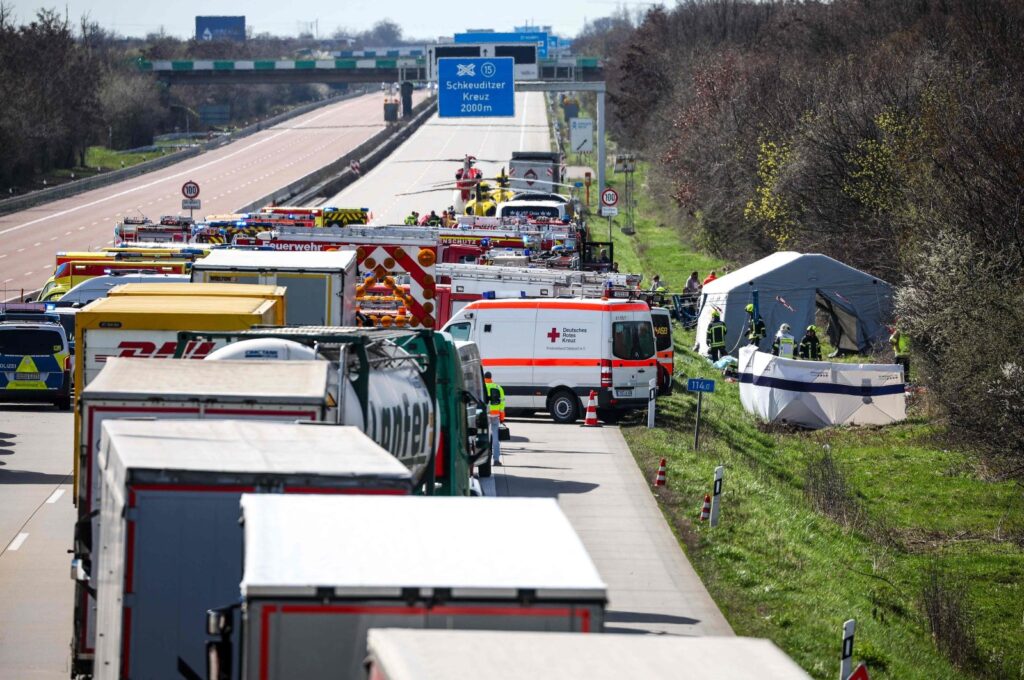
[(413, 391)]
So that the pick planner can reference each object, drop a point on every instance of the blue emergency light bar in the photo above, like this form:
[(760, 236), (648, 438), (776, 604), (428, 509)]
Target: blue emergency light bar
[(493, 295)]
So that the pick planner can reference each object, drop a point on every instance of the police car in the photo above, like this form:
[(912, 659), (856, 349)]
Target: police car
[(35, 361)]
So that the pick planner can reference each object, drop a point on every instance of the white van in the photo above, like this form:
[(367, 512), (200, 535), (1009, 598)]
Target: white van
[(550, 353), (98, 286)]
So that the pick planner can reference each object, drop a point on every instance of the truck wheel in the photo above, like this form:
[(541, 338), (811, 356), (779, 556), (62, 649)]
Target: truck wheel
[(564, 407), (484, 470)]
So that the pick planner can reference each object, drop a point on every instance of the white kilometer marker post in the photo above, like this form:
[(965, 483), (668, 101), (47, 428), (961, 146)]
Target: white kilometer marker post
[(846, 658), (652, 394), (716, 494), (18, 540), (55, 496)]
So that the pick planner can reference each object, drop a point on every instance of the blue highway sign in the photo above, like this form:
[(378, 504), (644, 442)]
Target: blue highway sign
[(538, 38), (476, 87), (700, 385)]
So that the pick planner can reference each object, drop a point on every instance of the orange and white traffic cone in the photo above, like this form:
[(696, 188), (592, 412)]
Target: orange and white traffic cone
[(705, 512), (659, 479), (591, 419)]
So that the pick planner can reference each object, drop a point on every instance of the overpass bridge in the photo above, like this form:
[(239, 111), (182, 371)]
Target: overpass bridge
[(344, 70)]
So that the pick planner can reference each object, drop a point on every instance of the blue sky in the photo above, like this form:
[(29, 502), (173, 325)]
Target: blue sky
[(418, 18)]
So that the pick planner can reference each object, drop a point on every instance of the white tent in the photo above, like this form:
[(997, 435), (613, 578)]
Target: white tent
[(789, 288), (819, 394)]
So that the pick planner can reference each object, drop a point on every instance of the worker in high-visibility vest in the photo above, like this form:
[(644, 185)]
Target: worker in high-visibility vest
[(716, 336), (413, 218), (784, 343), (499, 408), (496, 415), (901, 348)]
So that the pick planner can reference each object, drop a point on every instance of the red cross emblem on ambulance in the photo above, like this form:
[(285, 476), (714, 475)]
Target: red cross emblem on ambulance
[(554, 335)]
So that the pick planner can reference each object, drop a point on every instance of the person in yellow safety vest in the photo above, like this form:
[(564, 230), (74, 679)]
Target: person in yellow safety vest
[(716, 336), (901, 348), (499, 408), (496, 416), (413, 218), (784, 342), (755, 327)]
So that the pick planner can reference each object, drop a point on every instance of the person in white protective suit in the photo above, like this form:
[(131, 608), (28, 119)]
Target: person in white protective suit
[(784, 343)]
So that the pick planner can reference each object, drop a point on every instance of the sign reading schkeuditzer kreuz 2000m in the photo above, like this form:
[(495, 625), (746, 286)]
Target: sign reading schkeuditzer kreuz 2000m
[(476, 87)]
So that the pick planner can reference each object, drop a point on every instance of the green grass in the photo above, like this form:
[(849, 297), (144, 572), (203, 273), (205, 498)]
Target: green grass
[(109, 159), (782, 570), (655, 248)]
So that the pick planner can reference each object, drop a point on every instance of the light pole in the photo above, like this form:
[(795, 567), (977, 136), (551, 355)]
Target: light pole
[(186, 110)]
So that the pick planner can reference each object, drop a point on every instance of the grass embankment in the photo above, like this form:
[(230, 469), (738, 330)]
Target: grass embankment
[(806, 543)]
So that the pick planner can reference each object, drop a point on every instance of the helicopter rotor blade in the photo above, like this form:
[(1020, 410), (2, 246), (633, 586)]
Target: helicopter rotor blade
[(449, 160)]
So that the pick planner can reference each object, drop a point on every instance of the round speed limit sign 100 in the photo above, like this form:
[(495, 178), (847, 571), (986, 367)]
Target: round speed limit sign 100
[(190, 189)]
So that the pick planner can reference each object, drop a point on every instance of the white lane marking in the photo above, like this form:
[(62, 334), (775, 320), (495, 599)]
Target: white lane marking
[(37, 243), (67, 233), (8, 280), (21, 250), (55, 496), (178, 175), (81, 228), (3, 256), (18, 540), (27, 274)]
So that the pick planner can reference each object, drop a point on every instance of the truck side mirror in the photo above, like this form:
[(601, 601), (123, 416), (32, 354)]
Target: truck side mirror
[(219, 625)]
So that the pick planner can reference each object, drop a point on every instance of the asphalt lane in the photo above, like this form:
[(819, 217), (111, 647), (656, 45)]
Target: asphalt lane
[(418, 164), (651, 586), (36, 524), (229, 177)]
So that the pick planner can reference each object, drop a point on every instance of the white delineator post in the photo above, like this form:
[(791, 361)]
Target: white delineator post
[(652, 394), (846, 659), (716, 495)]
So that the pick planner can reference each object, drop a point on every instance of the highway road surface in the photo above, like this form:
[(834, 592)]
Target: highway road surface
[(651, 586), (229, 177), (415, 165), (36, 524)]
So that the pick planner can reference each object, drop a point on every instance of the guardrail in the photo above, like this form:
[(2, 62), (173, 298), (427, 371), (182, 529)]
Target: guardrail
[(80, 186)]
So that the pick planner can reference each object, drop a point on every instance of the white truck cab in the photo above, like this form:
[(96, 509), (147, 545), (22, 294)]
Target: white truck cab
[(550, 353)]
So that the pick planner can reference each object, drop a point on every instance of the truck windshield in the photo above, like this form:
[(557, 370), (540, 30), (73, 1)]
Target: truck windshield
[(30, 342), (632, 340)]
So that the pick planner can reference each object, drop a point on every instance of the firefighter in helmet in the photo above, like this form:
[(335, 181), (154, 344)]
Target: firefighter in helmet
[(716, 336)]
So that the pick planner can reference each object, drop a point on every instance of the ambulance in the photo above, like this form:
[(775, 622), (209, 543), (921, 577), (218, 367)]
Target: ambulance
[(548, 354)]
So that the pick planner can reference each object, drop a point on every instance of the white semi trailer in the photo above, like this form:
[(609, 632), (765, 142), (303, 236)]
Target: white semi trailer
[(173, 389), (396, 654), (321, 571), (170, 535)]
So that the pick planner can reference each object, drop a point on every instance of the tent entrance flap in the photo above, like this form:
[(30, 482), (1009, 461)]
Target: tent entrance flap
[(844, 332)]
